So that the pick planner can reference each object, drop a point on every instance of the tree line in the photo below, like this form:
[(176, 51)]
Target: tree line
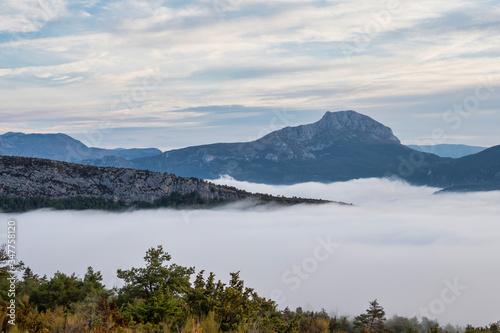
[(175, 200), (166, 297)]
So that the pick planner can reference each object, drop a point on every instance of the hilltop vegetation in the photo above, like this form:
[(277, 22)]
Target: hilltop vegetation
[(164, 297), (175, 200)]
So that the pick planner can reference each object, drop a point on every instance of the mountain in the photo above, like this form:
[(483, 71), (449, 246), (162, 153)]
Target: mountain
[(448, 150), (32, 178), (471, 188), (480, 171), (110, 161), (62, 147), (340, 146)]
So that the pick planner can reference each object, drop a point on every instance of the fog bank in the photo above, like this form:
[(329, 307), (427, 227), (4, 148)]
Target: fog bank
[(417, 253)]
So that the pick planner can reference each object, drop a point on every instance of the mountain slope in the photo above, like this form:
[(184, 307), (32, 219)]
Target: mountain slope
[(341, 146), (24, 178), (448, 150), (481, 170), (62, 147)]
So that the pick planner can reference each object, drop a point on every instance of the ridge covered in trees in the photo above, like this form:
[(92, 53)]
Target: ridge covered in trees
[(163, 297), (175, 200)]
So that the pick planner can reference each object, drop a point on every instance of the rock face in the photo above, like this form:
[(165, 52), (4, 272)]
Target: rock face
[(22, 177), (337, 126)]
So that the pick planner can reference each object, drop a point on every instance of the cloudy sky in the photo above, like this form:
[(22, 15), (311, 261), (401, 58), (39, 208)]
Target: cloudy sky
[(171, 73)]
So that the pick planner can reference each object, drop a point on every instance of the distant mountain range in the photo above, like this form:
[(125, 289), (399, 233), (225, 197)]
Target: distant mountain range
[(62, 147), (340, 146), (448, 150)]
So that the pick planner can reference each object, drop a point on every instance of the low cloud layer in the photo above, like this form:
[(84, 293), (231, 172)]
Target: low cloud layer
[(417, 253)]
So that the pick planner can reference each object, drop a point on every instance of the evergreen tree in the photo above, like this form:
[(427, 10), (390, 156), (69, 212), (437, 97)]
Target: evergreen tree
[(373, 320), (145, 282)]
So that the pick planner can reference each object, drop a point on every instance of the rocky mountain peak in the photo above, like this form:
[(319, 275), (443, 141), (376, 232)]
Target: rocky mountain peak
[(356, 125), (334, 127)]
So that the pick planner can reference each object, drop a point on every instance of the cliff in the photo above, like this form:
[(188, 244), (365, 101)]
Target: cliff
[(22, 177)]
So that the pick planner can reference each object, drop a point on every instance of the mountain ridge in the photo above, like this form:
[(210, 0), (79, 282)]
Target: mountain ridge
[(448, 150), (25, 177), (346, 125), (341, 146), (481, 170), (62, 147)]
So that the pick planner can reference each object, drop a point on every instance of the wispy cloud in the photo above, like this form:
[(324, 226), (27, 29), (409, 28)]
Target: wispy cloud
[(25, 16), (270, 54)]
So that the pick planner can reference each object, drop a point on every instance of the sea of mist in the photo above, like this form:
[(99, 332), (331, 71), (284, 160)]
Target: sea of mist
[(416, 252)]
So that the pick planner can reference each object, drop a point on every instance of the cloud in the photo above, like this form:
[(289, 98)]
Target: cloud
[(399, 244), (407, 58), (27, 16)]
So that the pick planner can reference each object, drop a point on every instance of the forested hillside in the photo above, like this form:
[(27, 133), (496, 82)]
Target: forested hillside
[(165, 297)]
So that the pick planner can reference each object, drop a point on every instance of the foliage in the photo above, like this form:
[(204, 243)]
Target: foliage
[(492, 328), (156, 292), (160, 297), (233, 304), (373, 320), (12, 205)]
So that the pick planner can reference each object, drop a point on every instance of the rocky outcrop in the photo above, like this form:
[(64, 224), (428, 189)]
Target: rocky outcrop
[(337, 126), (307, 141), (22, 177)]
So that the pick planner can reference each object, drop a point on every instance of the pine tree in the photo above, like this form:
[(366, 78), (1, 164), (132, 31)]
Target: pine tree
[(373, 320)]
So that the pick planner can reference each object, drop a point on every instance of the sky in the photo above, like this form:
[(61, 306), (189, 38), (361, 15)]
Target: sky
[(171, 73), (417, 253)]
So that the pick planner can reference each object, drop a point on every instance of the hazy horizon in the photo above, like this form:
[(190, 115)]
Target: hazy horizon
[(249, 139)]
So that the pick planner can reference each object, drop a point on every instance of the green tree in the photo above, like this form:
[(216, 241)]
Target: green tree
[(92, 283), (339, 324), (233, 304), (145, 282), (155, 293), (203, 297), (373, 320), (61, 290)]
